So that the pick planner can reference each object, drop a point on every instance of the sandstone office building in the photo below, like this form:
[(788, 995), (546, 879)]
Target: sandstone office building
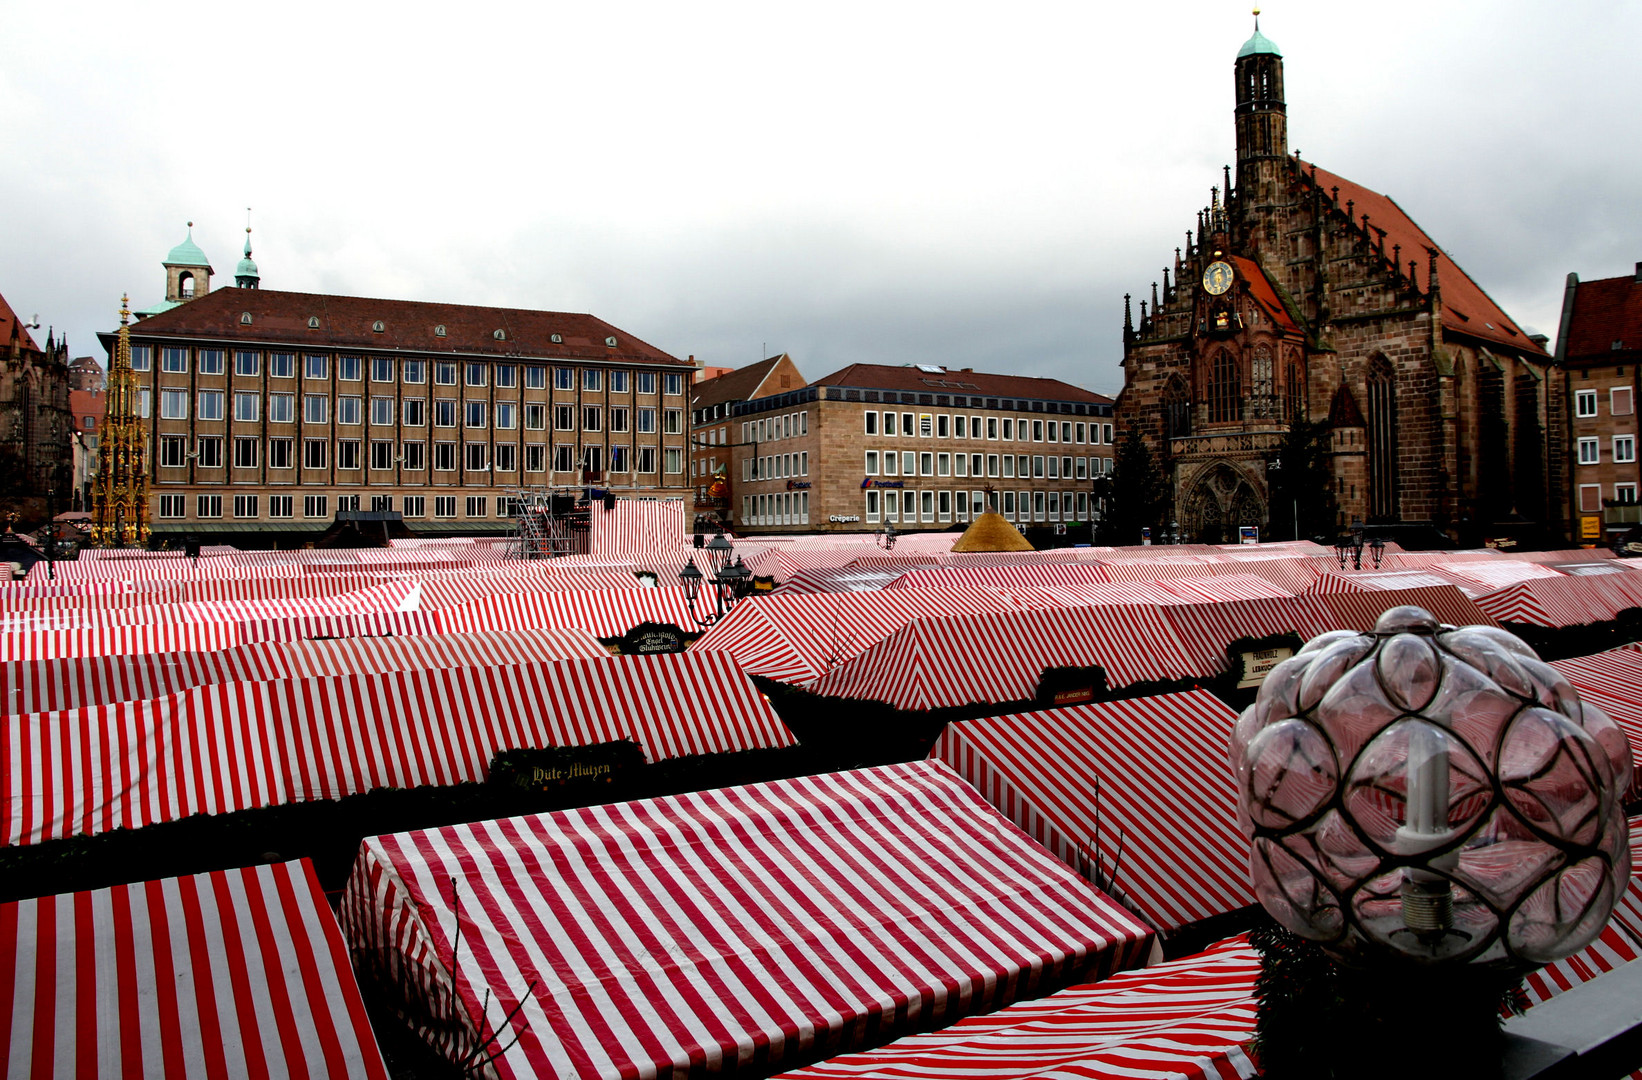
[(919, 447), (267, 412)]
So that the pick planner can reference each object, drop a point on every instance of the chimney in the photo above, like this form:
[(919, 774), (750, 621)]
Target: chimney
[(1638, 274)]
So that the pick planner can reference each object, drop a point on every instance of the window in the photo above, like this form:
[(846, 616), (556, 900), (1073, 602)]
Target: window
[(564, 378), (415, 371), (382, 411), (315, 453), (282, 365), (210, 407), (208, 506), (674, 385), (618, 419), (872, 423), (1083, 468), (1585, 403), (1588, 452), (444, 373), (476, 506), (1624, 448), (506, 461), (415, 505), (1080, 432), (1619, 401), (174, 361), (1009, 505), (672, 421), (1106, 434), (444, 412), (474, 456), (382, 502), (926, 505), (315, 506), (1037, 505), (564, 418), (246, 452), (646, 421), (535, 377), (675, 460), (143, 360), (1054, 505), (314, 367), (444, 506), (926, 464), (279, 506), (1037, 430), (416, 412), (592, 379), (173, 451), (173, 404), (245, 506), (1009, 466), (992, 427), (350, 368), (381, 454), (314, 408), (1008, 429), (476, 415), (1625, 493), (943, 426), (279, 453), (646, 459), (507, 415), (476, 374), (564, 458), (872, 503), (906, 424), (444, 457), (892, 426), (382, 369), (618, 382), (535, 417), (646, 382), (506, 375), (1037, 466), (592, 417), (1590, 498), (535, 458), (872, 463), (892, 463), (247, 407), (415, 456), (909, 463), (245, 363), (347, 410), (943, 506)]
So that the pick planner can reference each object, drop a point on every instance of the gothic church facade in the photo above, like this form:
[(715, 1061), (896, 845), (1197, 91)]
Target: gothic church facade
[(1302, 296)]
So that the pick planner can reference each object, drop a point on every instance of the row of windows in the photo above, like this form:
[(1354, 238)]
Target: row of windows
[(1007, 466), (771, 428), (1620, 402), (1590, 497), (504, 415), (926, 507), (776, 466), (318, 506), (383, 369), (1007, 428), (1624, 450), (779, 508), (412, 456)]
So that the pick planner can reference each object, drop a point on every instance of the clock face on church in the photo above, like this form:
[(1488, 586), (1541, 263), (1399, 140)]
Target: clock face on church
[(1217, 278)]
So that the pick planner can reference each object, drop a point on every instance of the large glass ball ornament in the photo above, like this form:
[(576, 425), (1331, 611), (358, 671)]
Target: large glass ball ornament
[(1434, 794)]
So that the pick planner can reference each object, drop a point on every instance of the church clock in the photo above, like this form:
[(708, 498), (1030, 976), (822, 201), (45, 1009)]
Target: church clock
[(1217, 278)]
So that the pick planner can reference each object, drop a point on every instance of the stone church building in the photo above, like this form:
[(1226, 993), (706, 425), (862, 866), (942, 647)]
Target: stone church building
[(1302, 296)]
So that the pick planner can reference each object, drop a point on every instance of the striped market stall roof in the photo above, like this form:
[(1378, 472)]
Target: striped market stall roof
[(1340, 581), (1360, 611), (1559, 600), (74, 681), (723, 929), (235, 973), (1620, 943), (1204, 629), (234, 746), (365, 656), (1612, 681), (1000, 656), (1139, 786), (1189, 1019), (1006, 576), (601, 612), (797, 639)]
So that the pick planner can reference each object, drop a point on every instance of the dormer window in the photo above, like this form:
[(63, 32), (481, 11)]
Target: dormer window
[(313, 322), (557, 339), (499, 335), (379, 326), (610, 341), (439, 331), (245, 318)]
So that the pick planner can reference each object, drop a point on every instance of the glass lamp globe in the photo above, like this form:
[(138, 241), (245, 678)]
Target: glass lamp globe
[(1432, 794)]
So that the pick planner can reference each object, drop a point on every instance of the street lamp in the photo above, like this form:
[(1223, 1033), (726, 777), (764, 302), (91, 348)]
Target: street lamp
[(1376, 546), (1352, 546), (885, 537), (1174, 532), (730, 581)]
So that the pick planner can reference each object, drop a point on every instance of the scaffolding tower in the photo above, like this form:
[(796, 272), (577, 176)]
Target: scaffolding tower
[(550, 522)]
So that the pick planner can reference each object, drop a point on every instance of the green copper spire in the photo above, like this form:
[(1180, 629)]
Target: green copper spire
[(187, 253), (1259, 43), (245, 274)]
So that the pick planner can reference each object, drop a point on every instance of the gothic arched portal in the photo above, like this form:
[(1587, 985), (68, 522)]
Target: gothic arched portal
[(1218, 501)]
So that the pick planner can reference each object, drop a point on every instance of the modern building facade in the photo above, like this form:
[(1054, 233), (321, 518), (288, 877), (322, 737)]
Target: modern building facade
[(1598, 364), (919, 447), (268, 411), (1301, 296), (712, 401)]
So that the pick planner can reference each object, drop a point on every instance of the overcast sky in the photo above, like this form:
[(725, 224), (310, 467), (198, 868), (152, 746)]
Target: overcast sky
[(963, 184)]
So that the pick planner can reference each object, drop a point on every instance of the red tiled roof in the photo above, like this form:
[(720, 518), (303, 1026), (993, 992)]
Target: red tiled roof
[(1605, 311), (739, 385), (85, 403), (407, 325), (1265, 295), (901, 377), (10, 324), (1466, 308)]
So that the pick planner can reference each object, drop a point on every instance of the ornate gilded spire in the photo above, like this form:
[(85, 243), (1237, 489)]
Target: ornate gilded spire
[(119, 502)]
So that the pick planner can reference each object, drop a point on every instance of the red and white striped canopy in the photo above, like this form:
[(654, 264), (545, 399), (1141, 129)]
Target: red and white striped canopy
[(235, 746), (231, 974), (1000, 656), (737, 927), (1612, 681), (1188, 1019), (1562, 600), (1140, 785)]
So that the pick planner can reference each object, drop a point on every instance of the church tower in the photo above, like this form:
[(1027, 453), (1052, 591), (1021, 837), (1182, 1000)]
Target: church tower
[(245, 274), (1262, 119), (184, 267)]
